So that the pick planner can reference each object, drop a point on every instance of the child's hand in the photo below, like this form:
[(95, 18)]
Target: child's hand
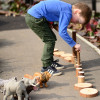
[(77, 47)]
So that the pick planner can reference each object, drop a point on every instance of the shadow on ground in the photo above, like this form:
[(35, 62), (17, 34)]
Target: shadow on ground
[(49, 96), (4, 42), (11, 23), (4, 67)]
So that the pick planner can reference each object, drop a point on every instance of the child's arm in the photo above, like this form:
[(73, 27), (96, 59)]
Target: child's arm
[(63, 24)]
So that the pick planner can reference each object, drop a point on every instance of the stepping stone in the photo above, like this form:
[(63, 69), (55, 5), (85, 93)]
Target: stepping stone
[(89, 92), (68, 59), (66, 55), (58, 53), (55, 50), (80, 86)]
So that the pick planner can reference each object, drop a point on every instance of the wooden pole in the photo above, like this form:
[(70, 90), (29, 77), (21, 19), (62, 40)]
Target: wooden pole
[(78, 57), (81, 73), (73, 49), (74, 38), (77, 70), (94, 5), (78, 60)]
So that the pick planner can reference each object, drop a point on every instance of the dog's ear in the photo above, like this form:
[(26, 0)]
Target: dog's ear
[(15, 78), (37, 79), (23, 78), (38, 74)]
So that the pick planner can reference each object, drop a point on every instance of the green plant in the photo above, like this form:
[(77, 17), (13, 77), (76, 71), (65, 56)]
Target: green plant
[(18, 6)]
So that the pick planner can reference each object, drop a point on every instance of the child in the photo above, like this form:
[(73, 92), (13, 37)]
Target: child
[(37, 19)]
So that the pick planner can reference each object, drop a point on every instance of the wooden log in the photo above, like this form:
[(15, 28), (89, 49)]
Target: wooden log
[(89, 92), (81, 79), (78, 66), (74, 61), (81, 73), (55, 50), (80, 86), (78, 57), (78, 60), (77, 70), (58, 53), (68, 59), (74, 38), (66, 55)]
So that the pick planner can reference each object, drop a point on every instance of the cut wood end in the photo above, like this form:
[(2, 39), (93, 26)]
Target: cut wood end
[(81, 76), (78, 65), (66, 55), (81, 79), (69, 59), (58, 53), (80, 86), (55, 50), (81, 73), (89, 92), (79, 68)]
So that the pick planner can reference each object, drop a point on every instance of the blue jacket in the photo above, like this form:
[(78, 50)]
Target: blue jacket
[(55, 10)]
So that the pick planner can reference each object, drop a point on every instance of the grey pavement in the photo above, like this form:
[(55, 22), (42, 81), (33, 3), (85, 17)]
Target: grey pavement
[(20, 54)]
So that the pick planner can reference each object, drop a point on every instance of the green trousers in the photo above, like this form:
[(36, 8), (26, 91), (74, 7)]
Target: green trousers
[(42, 29)]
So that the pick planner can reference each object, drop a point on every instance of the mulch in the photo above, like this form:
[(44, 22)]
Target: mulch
[(11, 23)]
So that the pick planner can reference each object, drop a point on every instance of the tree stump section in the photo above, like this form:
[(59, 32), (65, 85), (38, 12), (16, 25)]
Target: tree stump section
[(89, 92), (68, 59), (77, 70), (55, 50), (58, 53), (80, 86), (66, 55), (81, 73), (78, 65), (81, 79)]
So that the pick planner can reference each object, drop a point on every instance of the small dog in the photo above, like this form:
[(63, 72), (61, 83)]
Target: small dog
[(44, 77), (18, 88)]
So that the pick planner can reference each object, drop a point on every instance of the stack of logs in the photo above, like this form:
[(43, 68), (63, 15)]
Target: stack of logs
[(86, 89)]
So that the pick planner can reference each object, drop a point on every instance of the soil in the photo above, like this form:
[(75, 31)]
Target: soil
[(11, 23)]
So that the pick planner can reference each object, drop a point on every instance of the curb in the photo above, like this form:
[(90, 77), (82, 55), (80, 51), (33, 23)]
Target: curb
[(87, 42)]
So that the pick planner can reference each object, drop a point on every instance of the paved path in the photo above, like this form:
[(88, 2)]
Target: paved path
[(20, 53)]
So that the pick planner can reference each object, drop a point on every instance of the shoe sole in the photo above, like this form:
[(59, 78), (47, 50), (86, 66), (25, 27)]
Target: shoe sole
[(57, 74), (60, 67)]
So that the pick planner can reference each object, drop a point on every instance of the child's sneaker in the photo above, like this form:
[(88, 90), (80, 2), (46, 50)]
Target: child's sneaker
[(57, 65), (52, 70)]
